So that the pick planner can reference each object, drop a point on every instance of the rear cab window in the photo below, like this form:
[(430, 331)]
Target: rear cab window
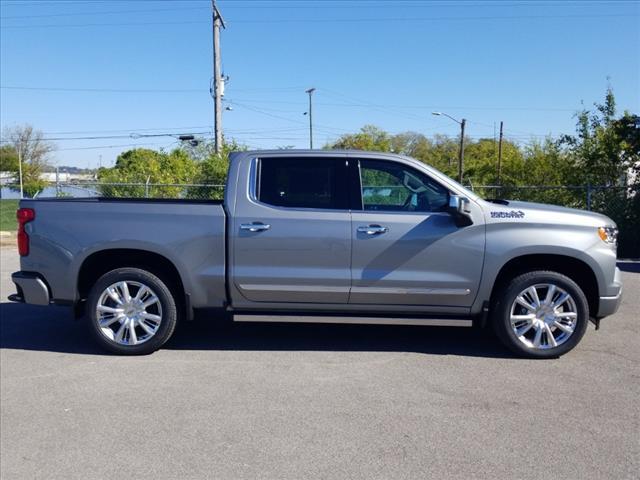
[(303, 183)]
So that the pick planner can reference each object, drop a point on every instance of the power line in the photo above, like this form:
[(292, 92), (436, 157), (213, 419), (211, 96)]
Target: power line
[(262, 112), (143, 90), (111, 146), (112, 12), (124, 24), (108, 90), (373, 106), (130, 130), (414, 106), (327, 20), (258, 131), (279, 117), (178, 129), (352, 102), (112, 137), (425, 19), (416, 4), (306, 5)]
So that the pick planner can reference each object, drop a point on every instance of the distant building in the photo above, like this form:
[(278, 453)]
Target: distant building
[(12, 177)]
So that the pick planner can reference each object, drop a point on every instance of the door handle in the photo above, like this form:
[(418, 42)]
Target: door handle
[(255, 227), (373, 229)]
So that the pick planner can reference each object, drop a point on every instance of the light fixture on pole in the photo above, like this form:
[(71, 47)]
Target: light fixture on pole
[(462, 124)]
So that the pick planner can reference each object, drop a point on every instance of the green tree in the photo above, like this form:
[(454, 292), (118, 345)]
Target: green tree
[(604, 149), (8, 159), (34, 151), (605, 152), (627, 130), (153, 173), (481, 162), (369, 138), (440, 152), (212, 169)]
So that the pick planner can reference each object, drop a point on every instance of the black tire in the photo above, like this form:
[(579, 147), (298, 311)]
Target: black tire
[(167, 302), (506, 296)]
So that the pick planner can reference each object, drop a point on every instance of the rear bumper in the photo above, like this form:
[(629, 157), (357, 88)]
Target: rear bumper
[(31, 289), (609, 305)]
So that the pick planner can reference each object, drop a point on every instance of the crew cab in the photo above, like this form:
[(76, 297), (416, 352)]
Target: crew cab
[(322, 236)]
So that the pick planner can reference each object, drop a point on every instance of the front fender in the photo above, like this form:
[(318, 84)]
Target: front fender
[(508, 241)]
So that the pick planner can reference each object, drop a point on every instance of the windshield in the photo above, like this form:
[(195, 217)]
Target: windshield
[(459, 187)]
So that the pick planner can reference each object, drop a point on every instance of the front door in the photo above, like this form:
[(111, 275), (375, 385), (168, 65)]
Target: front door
[(407, 249), (292, 233)]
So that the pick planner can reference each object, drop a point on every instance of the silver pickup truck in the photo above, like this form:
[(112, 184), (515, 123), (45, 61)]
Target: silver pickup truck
[(322, 236)]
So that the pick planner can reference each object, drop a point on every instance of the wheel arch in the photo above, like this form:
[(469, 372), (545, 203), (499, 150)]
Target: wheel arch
[(574, 268), (100, 262)]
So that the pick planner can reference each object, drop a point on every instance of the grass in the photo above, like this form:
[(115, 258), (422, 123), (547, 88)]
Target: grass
[(8, 209)]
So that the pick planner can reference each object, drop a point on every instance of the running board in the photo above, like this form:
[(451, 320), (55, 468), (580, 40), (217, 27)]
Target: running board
[(433, 322)]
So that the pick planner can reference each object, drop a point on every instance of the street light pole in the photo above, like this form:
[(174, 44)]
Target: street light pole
[(462, 124), (310, 92)]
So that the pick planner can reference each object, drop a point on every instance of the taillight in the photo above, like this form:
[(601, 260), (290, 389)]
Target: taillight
[(24, 216)]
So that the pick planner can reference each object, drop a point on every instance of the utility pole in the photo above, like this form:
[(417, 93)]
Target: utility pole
[(463, 122), (20, 168), (310, 112), (217, 76), (500, 154)]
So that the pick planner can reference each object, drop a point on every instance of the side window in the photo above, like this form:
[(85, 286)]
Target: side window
[(394, 187), (303, 183)]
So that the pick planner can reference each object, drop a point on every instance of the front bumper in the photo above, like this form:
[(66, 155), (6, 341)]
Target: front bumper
[(31, 289), (609, 305)]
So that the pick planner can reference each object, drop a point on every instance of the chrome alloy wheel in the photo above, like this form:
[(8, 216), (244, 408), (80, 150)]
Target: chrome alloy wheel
[(129, 313), (543, 316)]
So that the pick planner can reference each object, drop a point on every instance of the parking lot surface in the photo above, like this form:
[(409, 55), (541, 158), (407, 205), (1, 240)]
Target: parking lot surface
[(233, 401)]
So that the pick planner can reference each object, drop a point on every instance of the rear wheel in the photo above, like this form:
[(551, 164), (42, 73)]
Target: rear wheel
[(131, 311), (541, 314)]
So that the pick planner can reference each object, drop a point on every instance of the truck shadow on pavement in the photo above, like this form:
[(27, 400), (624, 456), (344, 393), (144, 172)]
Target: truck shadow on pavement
[(52, 329)]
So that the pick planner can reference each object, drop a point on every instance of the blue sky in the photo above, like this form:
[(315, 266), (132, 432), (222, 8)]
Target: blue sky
[(111, 68)]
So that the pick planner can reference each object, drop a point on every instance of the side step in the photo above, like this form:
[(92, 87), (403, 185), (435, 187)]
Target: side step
[(433, 322)]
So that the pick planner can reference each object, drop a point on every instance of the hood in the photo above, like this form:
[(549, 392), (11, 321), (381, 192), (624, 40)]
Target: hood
[(529, 212)]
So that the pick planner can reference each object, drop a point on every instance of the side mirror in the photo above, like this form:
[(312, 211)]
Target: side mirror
[(460, 208)]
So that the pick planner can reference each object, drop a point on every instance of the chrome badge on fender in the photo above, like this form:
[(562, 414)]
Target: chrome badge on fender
[(510, 214)]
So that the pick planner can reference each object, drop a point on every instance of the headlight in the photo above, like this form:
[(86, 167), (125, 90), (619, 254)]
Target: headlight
[(608, 235)]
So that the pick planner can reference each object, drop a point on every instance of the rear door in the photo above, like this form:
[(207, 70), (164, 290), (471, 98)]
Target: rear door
[(292, 232), (407, 249)]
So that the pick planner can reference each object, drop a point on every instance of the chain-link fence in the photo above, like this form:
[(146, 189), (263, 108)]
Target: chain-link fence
[(622, 204), (192, 191)]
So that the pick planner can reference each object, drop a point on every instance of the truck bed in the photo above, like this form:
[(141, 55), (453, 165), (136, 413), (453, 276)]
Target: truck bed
[(190, 234)]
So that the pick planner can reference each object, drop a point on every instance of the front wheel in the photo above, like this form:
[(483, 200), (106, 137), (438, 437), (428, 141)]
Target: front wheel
[(540, 314), (131, 312)]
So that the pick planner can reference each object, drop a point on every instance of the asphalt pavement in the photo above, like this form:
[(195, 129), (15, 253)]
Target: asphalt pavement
[(243, 401)]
